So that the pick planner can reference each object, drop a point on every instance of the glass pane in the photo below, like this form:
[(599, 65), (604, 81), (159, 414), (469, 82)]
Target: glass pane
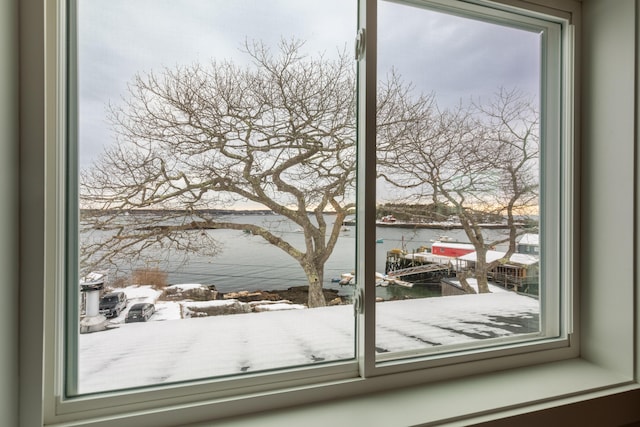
[(458, 189), (216, 151)]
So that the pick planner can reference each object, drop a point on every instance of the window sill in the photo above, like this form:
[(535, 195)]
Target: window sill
[(458, 402), (462, 401)]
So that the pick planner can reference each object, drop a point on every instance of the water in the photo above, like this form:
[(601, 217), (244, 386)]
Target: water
[(247, 262)]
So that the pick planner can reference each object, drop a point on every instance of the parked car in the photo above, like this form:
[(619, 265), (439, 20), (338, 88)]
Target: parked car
[(140, 312), (112, 304)]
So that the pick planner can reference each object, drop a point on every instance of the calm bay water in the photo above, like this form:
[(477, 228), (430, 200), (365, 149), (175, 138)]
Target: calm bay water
[(247, 262)]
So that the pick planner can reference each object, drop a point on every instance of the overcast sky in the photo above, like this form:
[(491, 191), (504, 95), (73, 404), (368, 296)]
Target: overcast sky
[(457, 58)]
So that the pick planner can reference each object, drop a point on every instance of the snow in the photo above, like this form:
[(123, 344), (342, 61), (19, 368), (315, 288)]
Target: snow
[(213, 303), (281, 306), (474, 284), (167, 310), (430, 257), (168, 349), (516, 258), (136, 294), (453, 245), (94, 276), (530, 239), (186, 286), (451, 320)]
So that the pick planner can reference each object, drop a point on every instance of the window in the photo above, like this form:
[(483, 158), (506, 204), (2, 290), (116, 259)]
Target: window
[(226, 197), (462, 174), (461, 151), (553, 327)]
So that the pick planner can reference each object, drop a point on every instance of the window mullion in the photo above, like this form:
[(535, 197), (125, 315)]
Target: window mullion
[(366, 215), (70, 274)]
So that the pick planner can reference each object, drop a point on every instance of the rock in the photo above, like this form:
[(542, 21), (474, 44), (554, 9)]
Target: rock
[(300, 294), (201, 293), (295, 294), (269, 302), (246, 296), (201, 309), (93, 324)]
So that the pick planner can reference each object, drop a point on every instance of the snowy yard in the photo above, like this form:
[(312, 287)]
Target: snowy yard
[(169, 348)]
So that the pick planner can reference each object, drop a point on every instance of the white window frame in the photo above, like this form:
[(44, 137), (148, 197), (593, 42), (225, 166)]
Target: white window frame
[(367, 366), (556, 190), (41, 353)]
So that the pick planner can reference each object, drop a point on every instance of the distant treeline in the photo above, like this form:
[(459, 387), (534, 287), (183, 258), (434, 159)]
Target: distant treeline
[(433, 212), (176, 211)]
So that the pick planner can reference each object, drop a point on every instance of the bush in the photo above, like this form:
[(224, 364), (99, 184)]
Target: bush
[(150, 276)]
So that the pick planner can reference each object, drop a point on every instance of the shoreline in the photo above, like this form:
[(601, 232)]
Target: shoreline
[(436, 226), (294, 294)]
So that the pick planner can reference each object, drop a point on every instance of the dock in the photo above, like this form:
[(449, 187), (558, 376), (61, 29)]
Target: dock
[(428, 271), (411, 268)]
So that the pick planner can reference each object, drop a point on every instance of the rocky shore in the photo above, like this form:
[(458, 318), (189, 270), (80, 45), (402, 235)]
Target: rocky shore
[(294, 294)]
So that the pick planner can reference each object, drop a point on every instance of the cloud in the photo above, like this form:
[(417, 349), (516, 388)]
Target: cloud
[(455, 57), (119, 38)]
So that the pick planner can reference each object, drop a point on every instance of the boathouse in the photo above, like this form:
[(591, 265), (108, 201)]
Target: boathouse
[(520, 272), (451, 249), (529, 244)]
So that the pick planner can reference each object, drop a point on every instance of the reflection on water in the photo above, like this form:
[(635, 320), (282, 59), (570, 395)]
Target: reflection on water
[(247, 262)]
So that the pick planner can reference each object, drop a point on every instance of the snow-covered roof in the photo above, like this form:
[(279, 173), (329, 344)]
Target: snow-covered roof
[(530, 239), (457, 245), (175, 349), (521, 259), (94, 276), (429, 257), (93, 280)]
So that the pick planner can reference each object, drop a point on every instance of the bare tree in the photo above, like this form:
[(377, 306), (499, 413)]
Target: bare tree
[(481, 160), (280, 134)]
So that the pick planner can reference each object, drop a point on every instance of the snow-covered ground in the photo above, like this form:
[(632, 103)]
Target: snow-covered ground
[(169, 348)]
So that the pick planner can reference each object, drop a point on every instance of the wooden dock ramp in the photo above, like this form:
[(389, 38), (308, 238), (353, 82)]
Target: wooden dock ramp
[(420, 269)]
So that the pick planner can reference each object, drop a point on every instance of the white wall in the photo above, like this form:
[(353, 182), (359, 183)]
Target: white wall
[(32, 208), (8, 213), (608, 166)]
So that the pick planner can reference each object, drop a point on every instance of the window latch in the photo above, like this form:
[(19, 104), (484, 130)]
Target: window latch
[(358, 302), (359, 46)]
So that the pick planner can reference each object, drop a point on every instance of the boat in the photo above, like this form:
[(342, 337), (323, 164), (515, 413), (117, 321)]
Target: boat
[(351, 221), (398, 282), (444, 239), (347, 279), (388, 219), (350, 279)]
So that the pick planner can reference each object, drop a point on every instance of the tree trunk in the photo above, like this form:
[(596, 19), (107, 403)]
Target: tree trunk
[(315, 277), (483, 282), (482, 270), (463, 276)]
